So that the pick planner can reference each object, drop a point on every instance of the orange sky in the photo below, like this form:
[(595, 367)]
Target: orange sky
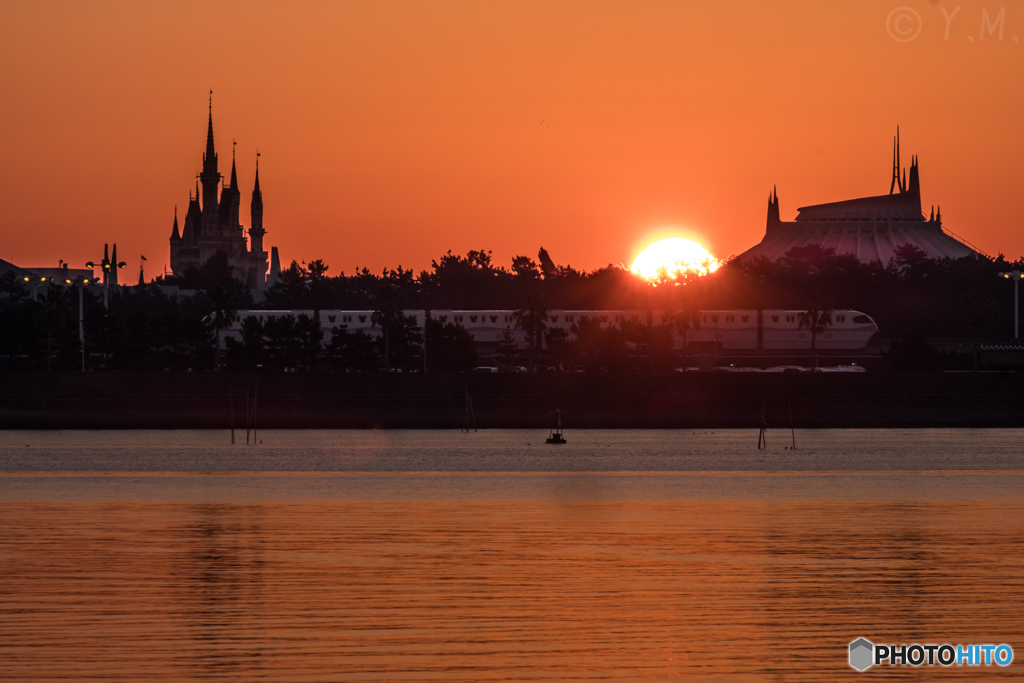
[(391, 132)]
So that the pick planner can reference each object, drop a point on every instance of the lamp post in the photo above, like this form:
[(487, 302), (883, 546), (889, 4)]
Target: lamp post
[(81, 282), (1016, 276), (107, 265)]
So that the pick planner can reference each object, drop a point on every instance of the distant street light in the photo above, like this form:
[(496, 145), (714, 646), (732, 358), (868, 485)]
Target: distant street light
[(1016, 276), (81, 282), (107, 265)]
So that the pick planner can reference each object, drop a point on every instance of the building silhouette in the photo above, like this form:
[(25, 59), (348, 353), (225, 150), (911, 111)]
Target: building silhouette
[(214, 225), (870, 228)]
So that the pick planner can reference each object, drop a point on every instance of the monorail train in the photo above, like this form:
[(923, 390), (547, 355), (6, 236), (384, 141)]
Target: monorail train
[(747, 329)]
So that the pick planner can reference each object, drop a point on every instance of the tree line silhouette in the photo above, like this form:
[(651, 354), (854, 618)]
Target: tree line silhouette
[(913, 299)]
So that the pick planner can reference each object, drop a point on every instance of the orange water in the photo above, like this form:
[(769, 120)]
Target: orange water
[(476, 576)]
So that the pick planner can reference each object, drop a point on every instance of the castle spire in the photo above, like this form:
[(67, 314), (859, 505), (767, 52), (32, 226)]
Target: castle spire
[(210, 158), (234, 174), (257, 195), (175, 234), (896, 163), (210, 179), (257, 257)]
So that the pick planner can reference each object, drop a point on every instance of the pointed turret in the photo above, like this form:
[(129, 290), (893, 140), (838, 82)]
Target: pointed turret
[(257, 257), (210, 179), (257, 195), (210, 156), (896, 165), (275, 267), (175, 235), (915, 179), (230, 201), (773, 207)]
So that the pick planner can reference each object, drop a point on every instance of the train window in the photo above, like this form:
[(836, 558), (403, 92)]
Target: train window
[(494, 318), (570, 318), (775, 318), (458, 318), (472, 318), (442, 318), (362, 318), (554, 318), (332, 318), (862, 319), (730, 318), (745, 318)]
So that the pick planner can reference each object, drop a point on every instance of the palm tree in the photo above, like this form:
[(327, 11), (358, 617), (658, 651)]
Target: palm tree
[(683, 320), (223, 311), (817, 318), (532, 319), (53, 306), (388, 314)]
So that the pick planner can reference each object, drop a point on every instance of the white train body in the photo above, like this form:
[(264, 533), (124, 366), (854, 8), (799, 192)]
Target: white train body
[(741, 329)]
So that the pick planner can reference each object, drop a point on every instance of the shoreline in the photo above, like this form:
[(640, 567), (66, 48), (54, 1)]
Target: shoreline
[(216, 400)]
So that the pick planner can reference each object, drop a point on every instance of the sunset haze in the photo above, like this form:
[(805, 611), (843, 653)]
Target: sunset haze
[(392, 132)]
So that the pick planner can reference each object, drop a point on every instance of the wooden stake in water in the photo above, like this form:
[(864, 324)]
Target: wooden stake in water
[(469, 417), (762, 437), (792, 432), (255, 393), (232, 418), (247, 417)]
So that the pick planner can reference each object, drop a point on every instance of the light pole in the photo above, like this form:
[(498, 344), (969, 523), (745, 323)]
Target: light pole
[(81, 282), (107, 264), (1016, 276)]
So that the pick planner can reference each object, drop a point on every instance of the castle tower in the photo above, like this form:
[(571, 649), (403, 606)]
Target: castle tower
[(175, 238), (230, 199), (257, 257), (210, 178)]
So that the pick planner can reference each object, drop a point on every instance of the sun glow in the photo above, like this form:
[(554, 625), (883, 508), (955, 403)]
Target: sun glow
[(672, 257)]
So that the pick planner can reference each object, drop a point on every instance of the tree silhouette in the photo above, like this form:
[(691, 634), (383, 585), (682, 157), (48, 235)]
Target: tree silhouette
[(508, 349), (387, 313), (817, 317), (532, 319), (684, 319)]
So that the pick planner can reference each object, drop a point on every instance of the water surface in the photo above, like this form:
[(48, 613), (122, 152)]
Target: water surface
[(440, 556)]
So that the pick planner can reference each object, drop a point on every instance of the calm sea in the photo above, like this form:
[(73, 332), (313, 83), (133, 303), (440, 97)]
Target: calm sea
[(489, 556)]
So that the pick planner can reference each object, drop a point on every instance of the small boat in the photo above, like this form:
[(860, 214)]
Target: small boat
[(556, 432)]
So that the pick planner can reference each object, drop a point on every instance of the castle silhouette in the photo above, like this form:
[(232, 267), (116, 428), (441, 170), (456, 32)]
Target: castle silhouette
[(214, 226)]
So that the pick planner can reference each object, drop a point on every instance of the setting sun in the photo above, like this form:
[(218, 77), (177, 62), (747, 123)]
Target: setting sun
[(673, 256)]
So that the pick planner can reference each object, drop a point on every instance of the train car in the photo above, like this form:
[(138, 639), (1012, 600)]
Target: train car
[(850, 330), (487, 327), (730, 330), (742, 329)]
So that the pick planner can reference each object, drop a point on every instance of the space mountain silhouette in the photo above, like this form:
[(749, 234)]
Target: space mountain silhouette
[(870, 228)]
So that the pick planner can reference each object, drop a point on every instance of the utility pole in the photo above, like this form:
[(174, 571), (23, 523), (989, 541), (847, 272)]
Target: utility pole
[(1016, 276)]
